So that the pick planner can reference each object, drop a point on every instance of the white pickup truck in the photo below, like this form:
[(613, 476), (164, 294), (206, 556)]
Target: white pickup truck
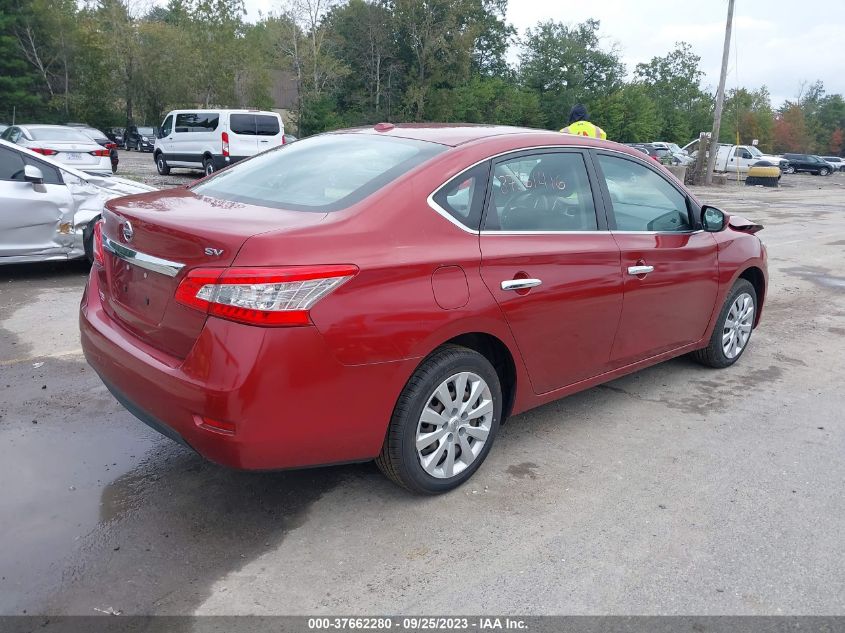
[(738, 158)]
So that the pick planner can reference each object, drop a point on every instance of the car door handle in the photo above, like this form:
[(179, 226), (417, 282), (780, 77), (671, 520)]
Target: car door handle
[(640, 270), (520, 284)]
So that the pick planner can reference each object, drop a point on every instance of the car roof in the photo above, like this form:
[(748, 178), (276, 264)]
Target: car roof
[(458, 134)]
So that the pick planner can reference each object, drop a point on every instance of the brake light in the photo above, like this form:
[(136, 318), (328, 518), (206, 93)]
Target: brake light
[(111, 145), (99, 152), (283, 139), (97, 242), (44, 151), (225, 137), (261, 296)]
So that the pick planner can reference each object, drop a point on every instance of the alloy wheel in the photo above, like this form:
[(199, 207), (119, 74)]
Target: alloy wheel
[(737, 327), (454, 425)]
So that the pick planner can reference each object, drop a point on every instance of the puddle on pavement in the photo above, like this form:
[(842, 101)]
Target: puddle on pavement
[(818, 275)]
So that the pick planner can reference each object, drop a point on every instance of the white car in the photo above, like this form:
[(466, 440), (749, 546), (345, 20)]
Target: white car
[(47, 209), (63, 144), (213, 139), (836, 163)]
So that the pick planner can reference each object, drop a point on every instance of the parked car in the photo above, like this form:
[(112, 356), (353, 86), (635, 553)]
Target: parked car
[(393, 293), (48, 209), (672, 147), (116, 135), (141, 139), (836, 163), (645, 149), (807, 163), (740, 158), (66, 145), (3, 127), (213, 139), (104, 141)]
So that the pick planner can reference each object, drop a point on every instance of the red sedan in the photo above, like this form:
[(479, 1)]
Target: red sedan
[(394, 293)]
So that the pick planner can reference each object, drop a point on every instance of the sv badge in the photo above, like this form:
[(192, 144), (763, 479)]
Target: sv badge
[(213, 252)]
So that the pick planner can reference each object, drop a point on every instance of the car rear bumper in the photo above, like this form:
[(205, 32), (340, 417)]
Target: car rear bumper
[(291, 402)]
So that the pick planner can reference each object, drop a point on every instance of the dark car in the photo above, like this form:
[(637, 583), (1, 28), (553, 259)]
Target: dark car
[(141, 139), (101, 138), (807, 163), (393, 293), (116, 135)]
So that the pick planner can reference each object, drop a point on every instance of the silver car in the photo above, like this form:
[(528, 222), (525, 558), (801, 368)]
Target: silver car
[(48, 210), (64, 144)]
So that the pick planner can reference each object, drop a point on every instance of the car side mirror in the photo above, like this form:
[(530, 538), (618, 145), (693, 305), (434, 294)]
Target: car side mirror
[(713, 220), (32, 174)]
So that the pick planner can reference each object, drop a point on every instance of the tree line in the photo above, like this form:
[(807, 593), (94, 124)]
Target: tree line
[(357, 62)]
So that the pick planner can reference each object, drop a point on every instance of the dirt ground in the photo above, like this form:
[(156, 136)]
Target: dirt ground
[(676, 490)]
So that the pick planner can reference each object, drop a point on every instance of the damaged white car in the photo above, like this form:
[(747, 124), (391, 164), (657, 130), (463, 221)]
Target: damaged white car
[(48, 210)]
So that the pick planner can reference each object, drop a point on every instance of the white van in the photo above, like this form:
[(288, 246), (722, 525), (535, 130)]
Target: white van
[(213, 139)]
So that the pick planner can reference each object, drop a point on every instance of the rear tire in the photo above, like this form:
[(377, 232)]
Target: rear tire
[(790, 170), (161, 166), (453, 401), (208, 166), (733, 329)]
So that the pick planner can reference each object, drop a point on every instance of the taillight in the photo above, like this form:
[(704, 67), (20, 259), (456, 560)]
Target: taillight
[(261, 296), (97, 242), (225, 137), (99, 152), (111, 145), (44, 151), (283, 139)]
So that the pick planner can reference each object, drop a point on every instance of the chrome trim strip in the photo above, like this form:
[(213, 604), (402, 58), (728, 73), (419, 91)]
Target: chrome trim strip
[(142, 260), (441, 211)]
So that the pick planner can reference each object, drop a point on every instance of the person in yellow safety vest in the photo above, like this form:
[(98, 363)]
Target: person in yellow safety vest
[(580, 126)]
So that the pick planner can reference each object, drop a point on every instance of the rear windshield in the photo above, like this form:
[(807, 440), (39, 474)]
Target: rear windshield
[(252, 124), (57, 134), (321, 174)]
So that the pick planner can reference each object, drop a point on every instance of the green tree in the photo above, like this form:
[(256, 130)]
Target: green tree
[(565, 65), (673, 83), (20, 90)]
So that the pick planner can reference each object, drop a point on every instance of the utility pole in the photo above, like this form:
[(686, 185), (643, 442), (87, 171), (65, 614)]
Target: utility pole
[(720, 99)]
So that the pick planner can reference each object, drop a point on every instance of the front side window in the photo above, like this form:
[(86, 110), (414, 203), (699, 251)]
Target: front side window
[(463, 196), (167, 126), (642, 199), (11, 164), (542, 192), (322, 174)]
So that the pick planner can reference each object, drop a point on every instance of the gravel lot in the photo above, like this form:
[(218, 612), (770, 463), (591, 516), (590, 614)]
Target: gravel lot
[(676, 490), (140, 166)]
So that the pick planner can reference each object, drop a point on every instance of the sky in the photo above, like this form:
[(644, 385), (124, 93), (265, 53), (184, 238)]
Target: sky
[(777, 43)]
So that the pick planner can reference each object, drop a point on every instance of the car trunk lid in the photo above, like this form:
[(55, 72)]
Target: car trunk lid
[(152, 241)]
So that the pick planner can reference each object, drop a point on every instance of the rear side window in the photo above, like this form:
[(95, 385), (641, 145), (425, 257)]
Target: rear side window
[(321, 174), (242, 124), (252, 124), (463, 196), (197, 122), (266, 125)]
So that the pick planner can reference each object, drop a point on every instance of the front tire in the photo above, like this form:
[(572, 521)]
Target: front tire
[(88, 239), (733, 329), (824, 171), (161, 166), (444, 422)]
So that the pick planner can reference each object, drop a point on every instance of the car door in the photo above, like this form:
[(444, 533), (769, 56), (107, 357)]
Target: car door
[(741, 160), (33, 218), (551, 264), (165, 140), (669, 265)]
